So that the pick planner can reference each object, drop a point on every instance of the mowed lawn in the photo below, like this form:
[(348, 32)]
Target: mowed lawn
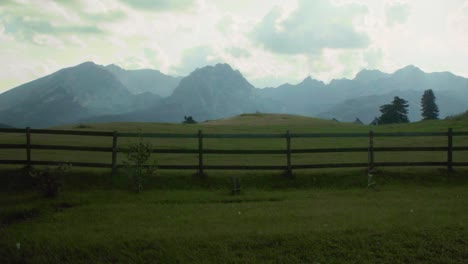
[(413, 215)]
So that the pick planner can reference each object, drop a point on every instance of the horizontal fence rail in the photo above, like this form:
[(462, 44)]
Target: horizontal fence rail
[(201, 151)]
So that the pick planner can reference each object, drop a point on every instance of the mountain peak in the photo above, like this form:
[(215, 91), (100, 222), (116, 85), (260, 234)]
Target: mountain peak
[(87, 64), (308, 81), (113, 67), (366, 75), (224, 66), (220, 68), (410, 69)]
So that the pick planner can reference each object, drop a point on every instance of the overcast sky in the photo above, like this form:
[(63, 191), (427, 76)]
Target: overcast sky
[(270, 41)]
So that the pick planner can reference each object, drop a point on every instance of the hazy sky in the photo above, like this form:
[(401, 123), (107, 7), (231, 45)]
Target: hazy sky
[(269, 41)]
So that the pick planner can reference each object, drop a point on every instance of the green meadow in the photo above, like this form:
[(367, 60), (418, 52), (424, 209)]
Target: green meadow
[(413, 215), (249, 124)]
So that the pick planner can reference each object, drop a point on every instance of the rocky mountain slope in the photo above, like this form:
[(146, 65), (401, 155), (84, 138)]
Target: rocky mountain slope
[(67, 96), (211, 92)]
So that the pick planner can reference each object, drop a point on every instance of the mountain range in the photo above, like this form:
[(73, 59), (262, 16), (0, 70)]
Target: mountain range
[(93, 93)]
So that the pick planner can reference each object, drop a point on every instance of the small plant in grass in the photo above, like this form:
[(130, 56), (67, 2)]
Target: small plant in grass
[(49, 181), (138, 155)]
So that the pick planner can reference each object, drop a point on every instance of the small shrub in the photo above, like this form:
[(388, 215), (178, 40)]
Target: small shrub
[(50, 181), (138, 154)]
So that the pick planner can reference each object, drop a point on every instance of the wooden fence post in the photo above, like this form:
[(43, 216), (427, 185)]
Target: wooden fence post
[(288, 153), (114, 155), (449, 150), (200, 153), (371, 151), (28, 147)]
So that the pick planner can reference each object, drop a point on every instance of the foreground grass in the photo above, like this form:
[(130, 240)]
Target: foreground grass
[(395, 224)]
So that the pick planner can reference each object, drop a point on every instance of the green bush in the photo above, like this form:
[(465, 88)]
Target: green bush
[(138, 155)]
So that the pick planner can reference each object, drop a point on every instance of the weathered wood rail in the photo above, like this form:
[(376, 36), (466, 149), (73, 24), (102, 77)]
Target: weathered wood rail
[(200, 151)]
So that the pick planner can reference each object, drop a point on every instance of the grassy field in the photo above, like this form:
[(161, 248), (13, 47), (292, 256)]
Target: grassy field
[(414, 215), (397, 224), (255, 123)]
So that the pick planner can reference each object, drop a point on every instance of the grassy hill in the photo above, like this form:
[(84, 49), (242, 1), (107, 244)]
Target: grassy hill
[(271, 123), (459, 117)]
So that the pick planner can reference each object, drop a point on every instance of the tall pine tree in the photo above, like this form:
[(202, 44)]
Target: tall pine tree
[(396, 112), (429, 109)]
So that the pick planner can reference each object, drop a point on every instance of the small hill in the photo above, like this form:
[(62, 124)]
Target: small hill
[(260, 119)]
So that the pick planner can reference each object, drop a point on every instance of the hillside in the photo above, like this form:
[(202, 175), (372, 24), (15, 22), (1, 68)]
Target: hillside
[(260, 119), (460, 117)]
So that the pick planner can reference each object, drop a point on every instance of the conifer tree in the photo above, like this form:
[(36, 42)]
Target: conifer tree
[(429, 109), (396, 112)]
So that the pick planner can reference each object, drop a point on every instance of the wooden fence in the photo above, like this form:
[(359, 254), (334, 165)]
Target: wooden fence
[(200, 151)]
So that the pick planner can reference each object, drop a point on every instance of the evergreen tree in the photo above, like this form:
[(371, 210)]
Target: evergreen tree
[(429, 109), (396, 112)]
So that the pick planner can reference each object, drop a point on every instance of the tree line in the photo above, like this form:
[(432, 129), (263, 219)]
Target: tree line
[(397, 111)]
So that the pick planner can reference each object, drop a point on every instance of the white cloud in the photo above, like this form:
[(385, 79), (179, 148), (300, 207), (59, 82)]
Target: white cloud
[(48, 40), (269, 41), (160, 5), (397, 13), (313, 26)]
